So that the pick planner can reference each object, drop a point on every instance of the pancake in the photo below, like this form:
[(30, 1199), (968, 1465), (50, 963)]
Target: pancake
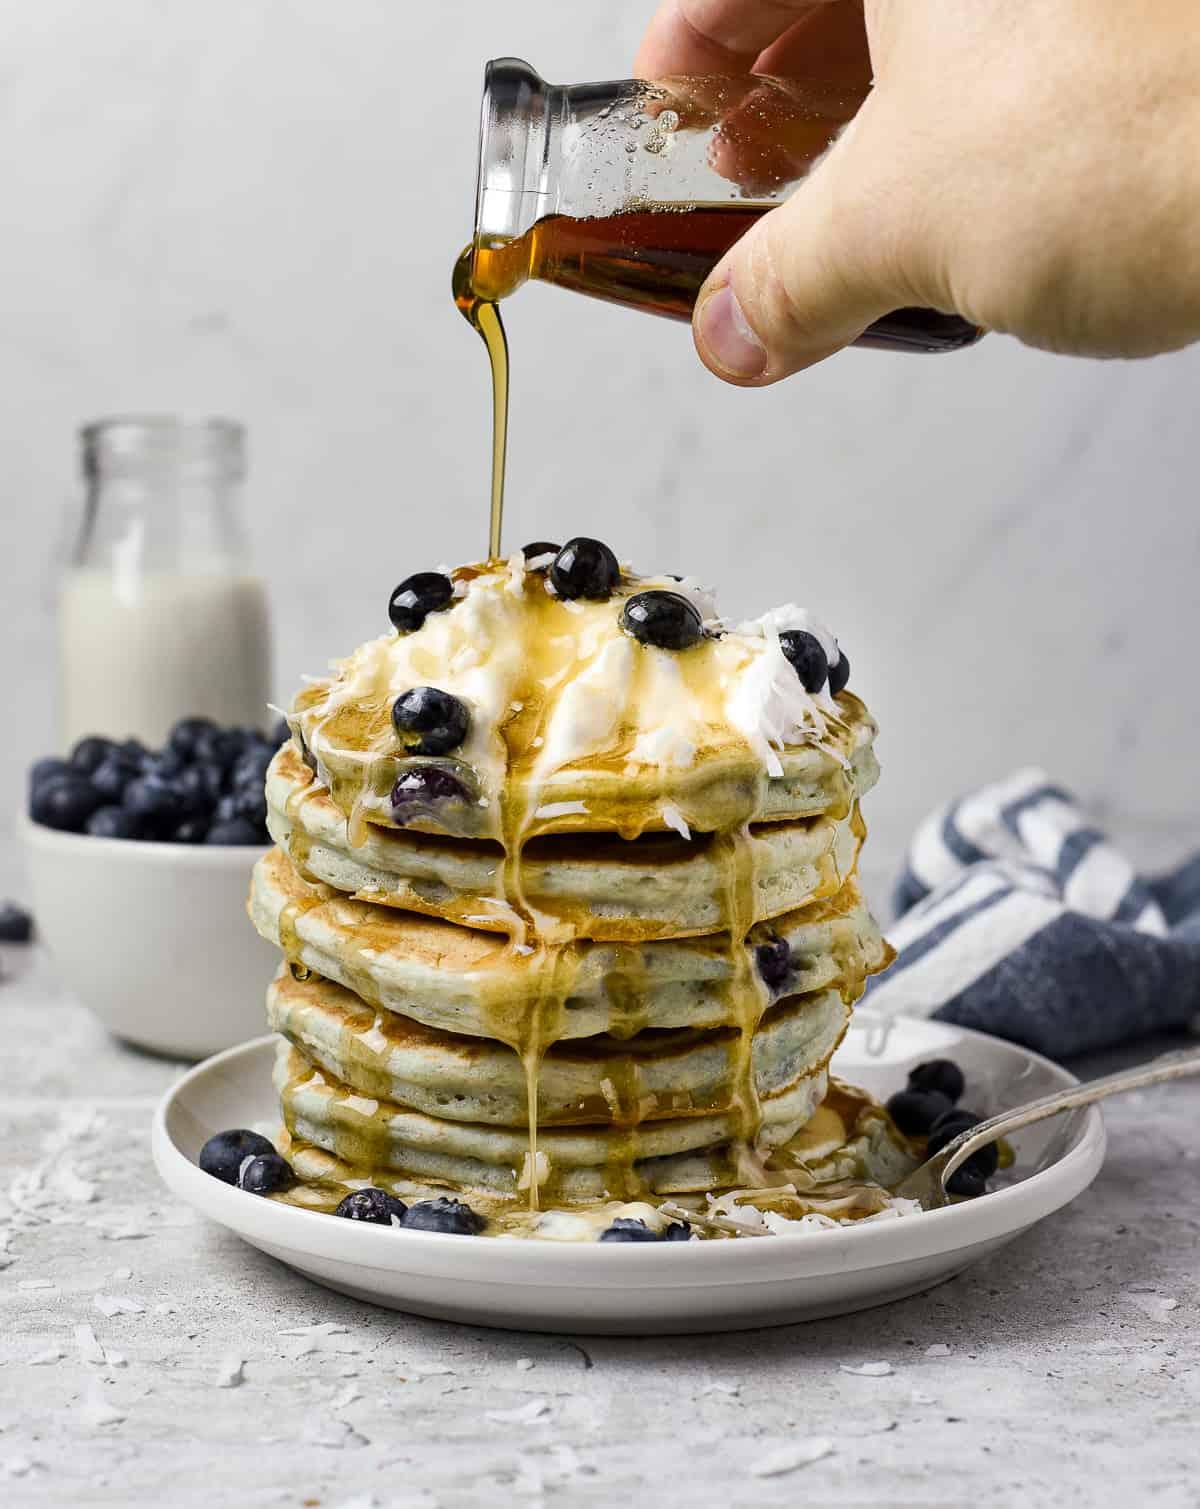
[(595, 1081), (375, 1137), (466, 981), (576, 726), (592, 886)]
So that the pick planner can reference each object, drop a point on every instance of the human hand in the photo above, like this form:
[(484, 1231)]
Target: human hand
[(1033, 165)]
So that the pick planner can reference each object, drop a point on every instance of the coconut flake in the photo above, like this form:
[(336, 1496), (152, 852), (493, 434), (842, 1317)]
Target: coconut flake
[(673, 818), (88, 1347), (866, 1369), (231, 1373), (525, 1414), (938, 1349), (788, 1458)]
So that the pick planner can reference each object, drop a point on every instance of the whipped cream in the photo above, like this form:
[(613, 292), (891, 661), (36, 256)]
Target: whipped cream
[(553, 685)]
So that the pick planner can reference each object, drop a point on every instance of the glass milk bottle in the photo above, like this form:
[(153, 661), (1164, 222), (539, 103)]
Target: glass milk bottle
[(160, 614), (632, 191)]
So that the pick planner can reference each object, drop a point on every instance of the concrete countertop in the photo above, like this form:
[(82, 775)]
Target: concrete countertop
[(148, 1357)]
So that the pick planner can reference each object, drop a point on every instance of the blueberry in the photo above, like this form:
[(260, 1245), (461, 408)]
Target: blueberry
[(133, 750), (223, 1155), (664, 619), (113, 774), (952, 1125), (185, 735), (539, 555), (280, 734), (806, 656), (250, 769), (418, 596), (116, 822), (261, 1175), (627, 1229), (422, 789), (226, 809), (165, 763), (219, 746), (677, 1231), (16, 925), (430, 721), (45, 770), (65, 802), (939, 1074), (446, 1215), (839, 672), (250, 802), (916, 1111), (585, 568), (375, 1206), (237, 830), (159, 799), (192, 830), (968, 1180), (202, 783), (774, 960), (88, 753)]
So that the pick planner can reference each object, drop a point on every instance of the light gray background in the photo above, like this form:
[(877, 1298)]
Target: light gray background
[(253, 210)]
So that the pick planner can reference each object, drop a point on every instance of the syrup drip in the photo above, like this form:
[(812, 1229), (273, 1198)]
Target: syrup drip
[(484, 315)]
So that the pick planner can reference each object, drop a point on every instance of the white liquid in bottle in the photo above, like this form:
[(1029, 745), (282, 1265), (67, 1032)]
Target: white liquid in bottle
[(137, 655)]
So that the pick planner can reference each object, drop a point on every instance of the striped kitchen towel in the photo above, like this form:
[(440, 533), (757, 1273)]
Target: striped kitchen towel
[(1017, 917)]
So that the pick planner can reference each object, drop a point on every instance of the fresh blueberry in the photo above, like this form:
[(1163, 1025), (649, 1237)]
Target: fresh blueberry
[(375, 1206), (978, 1168), (223, 1155), (939, 1074), (251, 768), (677, 1231), (89, 752), (202, 783), (159, 799), (113, 774), (237, 830), (262, 1175), (423, 789), (280, 734), (219, 746), (16, 925), (916, 1111), (627, 1229), (667, 620), (116, 822), (774, 960), (806, 656), (539, 555), (968, 1180), (430, 721), (226, 809), (585, 568), (65, 802), (133, 750), (184, 735), (192, 830), (250, 802), (418, 596), (839, 672), (45, 770), (446, 1215)]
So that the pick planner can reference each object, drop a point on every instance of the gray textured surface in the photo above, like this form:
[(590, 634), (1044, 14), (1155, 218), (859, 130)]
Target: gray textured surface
[(1072, 1378)]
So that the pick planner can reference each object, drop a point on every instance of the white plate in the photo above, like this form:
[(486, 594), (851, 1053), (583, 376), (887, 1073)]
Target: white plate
[(639, 1289)]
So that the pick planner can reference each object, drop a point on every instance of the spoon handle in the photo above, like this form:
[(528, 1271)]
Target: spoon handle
[(1175, 1065)]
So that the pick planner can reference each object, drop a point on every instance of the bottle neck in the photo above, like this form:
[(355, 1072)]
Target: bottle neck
[(162, 495)]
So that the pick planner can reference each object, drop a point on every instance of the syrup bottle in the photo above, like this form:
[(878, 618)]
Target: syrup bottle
[(632, 191)]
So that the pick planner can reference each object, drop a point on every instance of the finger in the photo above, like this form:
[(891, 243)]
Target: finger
[(803, 282), (829, 44), (714, 36), (777, 131)]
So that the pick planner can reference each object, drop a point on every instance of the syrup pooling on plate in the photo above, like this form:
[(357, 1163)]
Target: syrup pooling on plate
[(561, 756)]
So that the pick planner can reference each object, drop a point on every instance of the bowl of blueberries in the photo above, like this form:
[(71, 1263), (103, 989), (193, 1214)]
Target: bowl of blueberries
[(139, 862)]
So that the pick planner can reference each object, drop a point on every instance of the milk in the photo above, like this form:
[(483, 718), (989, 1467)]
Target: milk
[(138, 651)]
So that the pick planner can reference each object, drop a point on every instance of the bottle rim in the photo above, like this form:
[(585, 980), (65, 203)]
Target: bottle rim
[(128, 444)]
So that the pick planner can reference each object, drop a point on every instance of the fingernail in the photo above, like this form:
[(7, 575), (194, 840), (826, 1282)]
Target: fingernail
[(726, 337)]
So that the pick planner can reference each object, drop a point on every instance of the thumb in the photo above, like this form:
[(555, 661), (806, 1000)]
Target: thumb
[(805, 280)]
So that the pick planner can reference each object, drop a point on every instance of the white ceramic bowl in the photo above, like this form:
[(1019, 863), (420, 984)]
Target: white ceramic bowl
[(154, 938), (678, 1286)]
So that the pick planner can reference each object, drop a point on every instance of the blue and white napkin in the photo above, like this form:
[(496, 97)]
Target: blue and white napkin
[(1017, 917)]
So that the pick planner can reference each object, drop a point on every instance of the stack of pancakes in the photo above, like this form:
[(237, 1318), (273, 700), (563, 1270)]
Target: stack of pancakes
[(602, 949)]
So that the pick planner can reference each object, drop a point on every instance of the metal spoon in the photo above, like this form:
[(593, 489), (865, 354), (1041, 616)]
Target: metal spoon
[(928, 1183)]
